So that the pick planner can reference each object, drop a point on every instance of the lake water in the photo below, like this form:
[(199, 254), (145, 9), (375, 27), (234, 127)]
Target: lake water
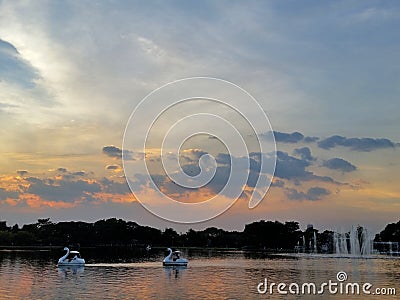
[(209, 275)]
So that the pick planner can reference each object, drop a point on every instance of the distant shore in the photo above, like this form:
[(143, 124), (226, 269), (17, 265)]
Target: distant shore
[(160, 248)]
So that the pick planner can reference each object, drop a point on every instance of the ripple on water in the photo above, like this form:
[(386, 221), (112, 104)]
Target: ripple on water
[(32, 276)]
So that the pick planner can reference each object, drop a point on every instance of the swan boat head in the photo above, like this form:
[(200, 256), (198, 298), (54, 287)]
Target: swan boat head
[(71, 258), (174, 259)]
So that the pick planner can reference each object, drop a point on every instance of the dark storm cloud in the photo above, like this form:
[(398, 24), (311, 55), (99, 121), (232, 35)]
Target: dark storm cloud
[(356, 144), (339, 164), (313, 194), (304, 153)]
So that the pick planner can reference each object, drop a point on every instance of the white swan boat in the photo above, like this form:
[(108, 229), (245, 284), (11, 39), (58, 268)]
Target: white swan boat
[(72, 258), (174, 259)]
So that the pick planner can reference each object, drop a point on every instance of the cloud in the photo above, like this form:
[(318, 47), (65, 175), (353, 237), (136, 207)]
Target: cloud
[(356, 144), (255, 170), (7, 106), (62, 190), (289, 167), (313, 194), (291, 138), (193, 155), (311, 139), (215, 185), (13, 68), (22, 172), (78, 173), (339, 164), (374, 14), (278, 183), (191, 169), (282, 137), (7, 48), (292, 168), (112, 167), (115, 152), (113, 187), (304, 153), (112, 151), (4, 194), (62, 170), (223, 158)]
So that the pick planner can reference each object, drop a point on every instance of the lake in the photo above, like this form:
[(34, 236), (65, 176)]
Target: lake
[(111, 274)]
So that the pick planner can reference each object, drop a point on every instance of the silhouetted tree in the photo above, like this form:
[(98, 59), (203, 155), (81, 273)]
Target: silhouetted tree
[(391, 233)]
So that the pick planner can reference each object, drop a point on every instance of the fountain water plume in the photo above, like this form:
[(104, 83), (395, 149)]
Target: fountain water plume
[(354, 242), (340, 242), (315, 242), (359, 240)]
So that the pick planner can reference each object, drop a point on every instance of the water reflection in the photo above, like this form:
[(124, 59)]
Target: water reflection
[(65, 270), (219, 276), (174, 271)]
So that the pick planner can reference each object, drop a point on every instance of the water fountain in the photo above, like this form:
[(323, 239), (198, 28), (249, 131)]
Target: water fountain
[(358, 242), (340, 242), (315, 242)]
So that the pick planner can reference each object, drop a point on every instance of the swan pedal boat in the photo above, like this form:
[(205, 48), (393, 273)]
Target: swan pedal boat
[(72, 258), (174, 259)]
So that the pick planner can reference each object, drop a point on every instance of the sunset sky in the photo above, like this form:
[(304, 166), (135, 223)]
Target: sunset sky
[(326, 73)]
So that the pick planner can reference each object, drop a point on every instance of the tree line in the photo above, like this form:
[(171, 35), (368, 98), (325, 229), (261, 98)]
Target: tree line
[(266, 235)]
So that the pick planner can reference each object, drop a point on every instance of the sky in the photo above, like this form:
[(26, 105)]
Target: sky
[(325, 72)]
